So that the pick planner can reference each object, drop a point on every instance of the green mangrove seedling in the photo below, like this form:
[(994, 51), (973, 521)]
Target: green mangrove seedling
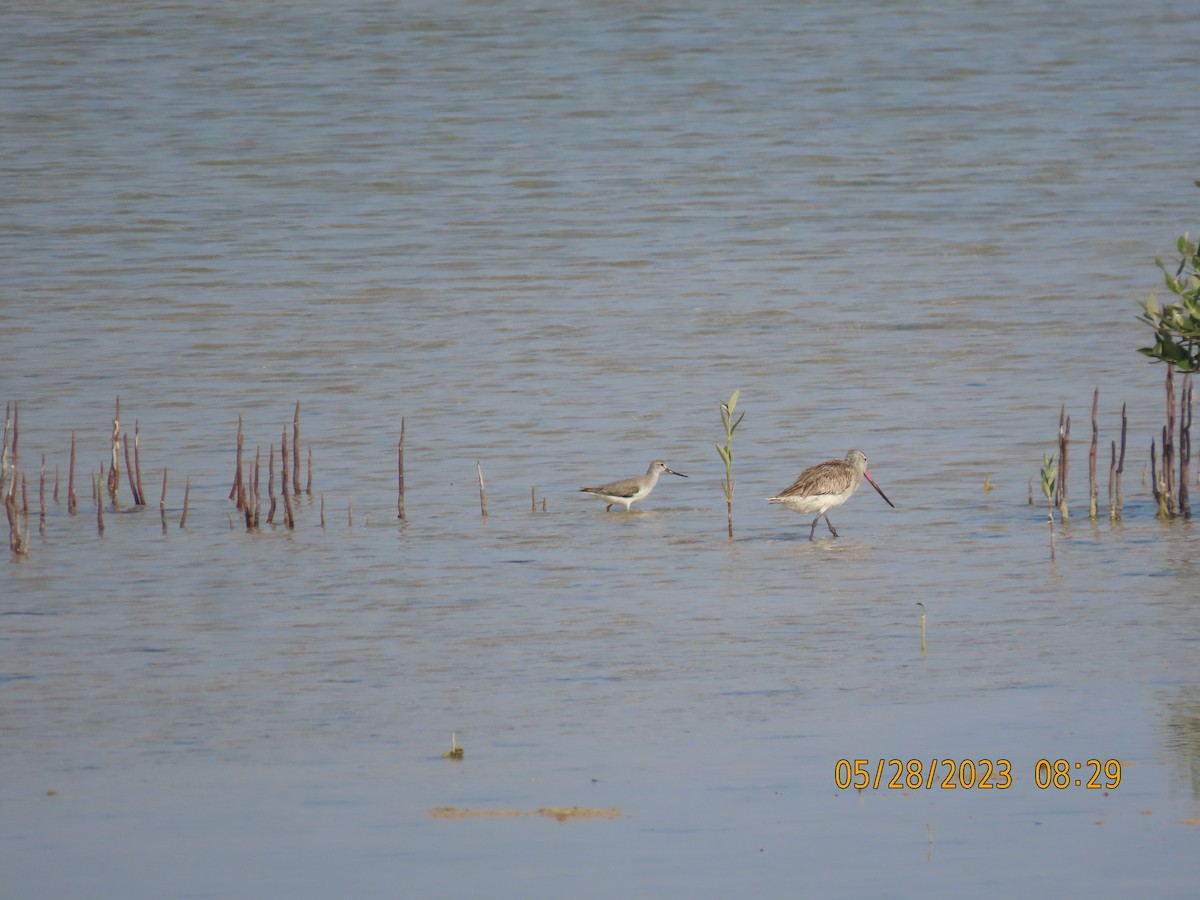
[(726, 452), (1049, 483)]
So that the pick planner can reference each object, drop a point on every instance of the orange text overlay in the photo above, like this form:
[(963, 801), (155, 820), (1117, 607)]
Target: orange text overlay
[(972, 774)]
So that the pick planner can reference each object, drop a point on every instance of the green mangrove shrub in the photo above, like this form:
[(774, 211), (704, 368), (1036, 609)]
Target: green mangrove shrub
[(1177, 324)]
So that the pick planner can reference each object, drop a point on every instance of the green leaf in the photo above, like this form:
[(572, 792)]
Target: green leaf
[(1170, 351)]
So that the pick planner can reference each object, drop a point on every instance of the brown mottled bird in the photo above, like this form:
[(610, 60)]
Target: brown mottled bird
[(826, 486), (630, 490)]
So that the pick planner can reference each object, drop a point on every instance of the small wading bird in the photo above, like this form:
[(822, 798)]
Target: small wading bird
[(827, 486), (630, 490)]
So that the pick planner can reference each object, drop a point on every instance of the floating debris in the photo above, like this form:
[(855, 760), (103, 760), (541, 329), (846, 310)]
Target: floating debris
[(455, 751), (558, 813)]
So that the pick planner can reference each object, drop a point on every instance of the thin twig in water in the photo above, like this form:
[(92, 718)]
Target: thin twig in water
[(1064, 440), (187, 490), (1158, 482), (271, 484), (4, 453), (99, 508), (482, 491), (1112, 474), (255, 491), (129, 468), (15, 541), (114, 471), (1092, 489), (247, 504), (72, 503), (400, 469), (296, 451), (1185, 446), (16, 433), (287, 500), (234, 491), (137, 463), (1121, 461), (1168, 446)]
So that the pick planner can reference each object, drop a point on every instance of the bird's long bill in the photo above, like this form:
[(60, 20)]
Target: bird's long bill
[(673, 472), (867, 475)]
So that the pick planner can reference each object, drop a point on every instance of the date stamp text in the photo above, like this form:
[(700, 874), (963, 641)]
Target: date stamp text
[(972, 774)]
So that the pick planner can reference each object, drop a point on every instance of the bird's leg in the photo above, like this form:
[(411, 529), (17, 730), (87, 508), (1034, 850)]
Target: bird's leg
[(813, 530), (608, 508), (830, 524)]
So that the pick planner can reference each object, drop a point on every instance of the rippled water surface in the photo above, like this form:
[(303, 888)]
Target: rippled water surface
[(551, 238)]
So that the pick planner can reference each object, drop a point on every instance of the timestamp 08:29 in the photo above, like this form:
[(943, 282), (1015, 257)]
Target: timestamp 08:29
[(971, 774)]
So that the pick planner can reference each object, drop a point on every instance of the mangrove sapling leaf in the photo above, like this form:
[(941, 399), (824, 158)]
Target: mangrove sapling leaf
[(726, 452), (1049, 479)]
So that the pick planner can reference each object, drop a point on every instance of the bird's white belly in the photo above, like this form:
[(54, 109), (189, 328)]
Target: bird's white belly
[(814, 504)]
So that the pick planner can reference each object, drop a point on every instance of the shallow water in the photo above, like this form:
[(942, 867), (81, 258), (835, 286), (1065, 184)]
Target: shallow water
[(552, 241)]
